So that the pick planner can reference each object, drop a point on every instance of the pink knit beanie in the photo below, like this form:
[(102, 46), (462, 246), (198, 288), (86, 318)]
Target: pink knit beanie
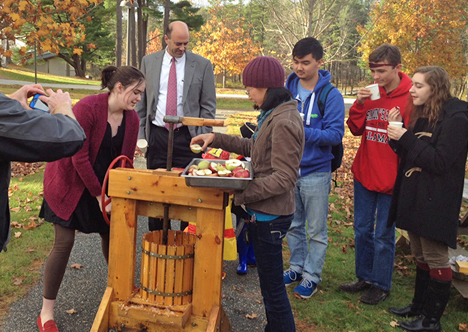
[(264, 72)]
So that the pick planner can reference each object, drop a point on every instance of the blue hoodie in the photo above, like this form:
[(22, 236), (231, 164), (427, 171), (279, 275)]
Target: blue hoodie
[(321, 133)]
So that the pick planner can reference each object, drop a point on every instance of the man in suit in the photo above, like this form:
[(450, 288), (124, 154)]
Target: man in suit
[(178, 82)]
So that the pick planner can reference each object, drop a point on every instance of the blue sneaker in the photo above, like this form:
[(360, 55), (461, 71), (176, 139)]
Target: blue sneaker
[(305, 289), (290, 276)]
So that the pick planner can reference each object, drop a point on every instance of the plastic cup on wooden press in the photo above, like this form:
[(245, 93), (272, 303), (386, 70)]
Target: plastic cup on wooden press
[(142, 144)]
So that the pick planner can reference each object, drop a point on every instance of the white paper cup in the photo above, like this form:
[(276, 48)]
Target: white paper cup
[(142, 144), (375, 91), (397, 124)]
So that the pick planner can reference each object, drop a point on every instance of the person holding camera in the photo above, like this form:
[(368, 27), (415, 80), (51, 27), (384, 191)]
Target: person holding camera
[(30, 135)]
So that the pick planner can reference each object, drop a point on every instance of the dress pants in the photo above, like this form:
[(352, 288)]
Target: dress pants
[(156, 157)]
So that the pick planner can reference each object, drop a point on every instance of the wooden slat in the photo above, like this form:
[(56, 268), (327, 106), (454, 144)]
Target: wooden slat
[(101, 321), (122, 248), (153, 267), (214, 320), (161, 277), (187, 284), (138, 185), (179, 270), (170, 270), (176, 212), (145, 264), (208, 253)]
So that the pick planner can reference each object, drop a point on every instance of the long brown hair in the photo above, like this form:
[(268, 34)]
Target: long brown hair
[(438, 80)]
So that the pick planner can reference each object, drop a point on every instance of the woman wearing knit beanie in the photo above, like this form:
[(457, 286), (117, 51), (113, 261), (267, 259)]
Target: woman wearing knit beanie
[(275, 150)]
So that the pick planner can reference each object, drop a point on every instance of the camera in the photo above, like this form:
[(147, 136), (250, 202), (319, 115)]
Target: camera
[(38, 104)]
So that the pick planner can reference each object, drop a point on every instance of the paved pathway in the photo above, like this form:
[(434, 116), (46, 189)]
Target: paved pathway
[(348, 101)]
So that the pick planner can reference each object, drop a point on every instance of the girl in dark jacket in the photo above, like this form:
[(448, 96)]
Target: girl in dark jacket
[(72, 186), (428, 189)]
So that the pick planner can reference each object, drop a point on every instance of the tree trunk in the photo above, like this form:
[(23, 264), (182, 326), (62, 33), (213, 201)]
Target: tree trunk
[(77, 65), (7, 59), (167, 11), (224, 78), (311, 17), (118, 44), (142, 31), (132, 37)]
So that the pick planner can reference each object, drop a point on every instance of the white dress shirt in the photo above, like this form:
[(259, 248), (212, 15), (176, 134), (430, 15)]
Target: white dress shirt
[(162, 94)]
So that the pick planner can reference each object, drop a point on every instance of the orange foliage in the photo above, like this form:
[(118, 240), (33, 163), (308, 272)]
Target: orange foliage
[(227, 45), (426, 32), (36, 21), (154, 42)]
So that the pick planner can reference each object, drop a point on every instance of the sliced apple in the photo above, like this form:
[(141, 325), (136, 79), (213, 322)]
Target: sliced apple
[(231, 164), (196, 148)]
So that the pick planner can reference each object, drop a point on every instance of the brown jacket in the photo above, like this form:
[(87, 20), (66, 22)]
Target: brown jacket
[(276, 154)]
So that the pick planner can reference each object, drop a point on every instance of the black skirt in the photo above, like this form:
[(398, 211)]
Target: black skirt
[(87, 216)]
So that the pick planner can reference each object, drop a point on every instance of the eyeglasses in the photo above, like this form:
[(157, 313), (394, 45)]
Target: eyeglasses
[(247, 92)]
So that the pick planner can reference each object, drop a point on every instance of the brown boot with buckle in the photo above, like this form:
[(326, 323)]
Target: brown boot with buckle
[(354, 287)]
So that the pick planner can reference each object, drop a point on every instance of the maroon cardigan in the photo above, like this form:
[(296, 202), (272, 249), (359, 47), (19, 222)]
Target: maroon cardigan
[(66, 179)]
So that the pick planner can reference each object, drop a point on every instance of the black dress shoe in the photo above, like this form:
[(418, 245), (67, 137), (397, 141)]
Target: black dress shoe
[(374, 295), (421, 324), (408, 311), (354, 287)]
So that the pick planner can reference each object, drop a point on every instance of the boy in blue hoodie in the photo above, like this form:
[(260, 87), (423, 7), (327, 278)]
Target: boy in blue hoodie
[(314, 183)]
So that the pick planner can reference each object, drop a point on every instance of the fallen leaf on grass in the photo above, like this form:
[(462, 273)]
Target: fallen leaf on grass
[(18, 281), (31, 225), (463, 327), (394, 323), (344, 249), (76, 266), (252, 316), (71, 311), (16, 224), (18, 235), (16, 209), (30, 251)]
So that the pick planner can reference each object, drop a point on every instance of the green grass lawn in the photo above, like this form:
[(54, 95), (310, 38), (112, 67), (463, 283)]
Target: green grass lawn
[(23, 74)]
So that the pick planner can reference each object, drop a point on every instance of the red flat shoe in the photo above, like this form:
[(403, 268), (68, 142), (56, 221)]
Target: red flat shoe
[(49, 326)]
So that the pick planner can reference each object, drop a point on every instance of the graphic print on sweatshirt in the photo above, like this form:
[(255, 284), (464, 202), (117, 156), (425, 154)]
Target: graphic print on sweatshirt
[(376, 125)]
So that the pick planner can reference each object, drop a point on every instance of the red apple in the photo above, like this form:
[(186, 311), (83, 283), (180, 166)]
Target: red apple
[(244, 173)]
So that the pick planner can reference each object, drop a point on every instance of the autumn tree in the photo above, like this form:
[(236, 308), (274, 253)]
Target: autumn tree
[(226, 44), (53, 25), (154, 42), (426, 32)]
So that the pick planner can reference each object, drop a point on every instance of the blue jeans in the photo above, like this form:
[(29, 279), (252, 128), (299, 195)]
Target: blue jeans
[(374, 241), (312, 193), (267, 238)]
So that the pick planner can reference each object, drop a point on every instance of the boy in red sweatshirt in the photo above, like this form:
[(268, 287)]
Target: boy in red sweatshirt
[(374, 170)]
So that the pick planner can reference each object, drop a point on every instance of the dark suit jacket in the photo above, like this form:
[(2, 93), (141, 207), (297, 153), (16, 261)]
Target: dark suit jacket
[(199, 96)]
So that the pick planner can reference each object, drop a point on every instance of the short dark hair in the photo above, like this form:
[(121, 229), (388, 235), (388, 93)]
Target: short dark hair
[(386, 52), (274, 97), (127, 75), (308, 45)]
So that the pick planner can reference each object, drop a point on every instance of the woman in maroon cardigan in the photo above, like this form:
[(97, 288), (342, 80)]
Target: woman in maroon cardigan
[(72, 186)]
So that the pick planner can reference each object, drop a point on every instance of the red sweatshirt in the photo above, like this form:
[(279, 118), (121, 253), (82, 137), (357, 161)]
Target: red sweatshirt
[(375, 165)]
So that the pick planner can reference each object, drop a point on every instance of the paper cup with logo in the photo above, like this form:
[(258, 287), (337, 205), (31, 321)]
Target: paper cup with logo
[(142, 144), (374, 88), (397, 124)]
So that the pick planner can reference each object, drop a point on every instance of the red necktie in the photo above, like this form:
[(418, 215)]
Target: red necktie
[(171, 103)]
